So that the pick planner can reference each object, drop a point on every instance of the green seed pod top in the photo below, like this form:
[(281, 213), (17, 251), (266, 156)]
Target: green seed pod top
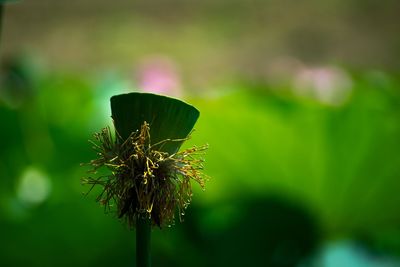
[(167, 117)]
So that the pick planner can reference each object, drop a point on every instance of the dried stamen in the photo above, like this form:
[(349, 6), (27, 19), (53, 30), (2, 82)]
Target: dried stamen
[(144, 182)]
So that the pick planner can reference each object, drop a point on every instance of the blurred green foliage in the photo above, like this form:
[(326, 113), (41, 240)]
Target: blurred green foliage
[(299, 156), (287, 172)]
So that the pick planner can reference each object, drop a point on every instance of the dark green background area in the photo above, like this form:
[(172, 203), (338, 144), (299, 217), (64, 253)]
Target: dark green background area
[(287, 175)]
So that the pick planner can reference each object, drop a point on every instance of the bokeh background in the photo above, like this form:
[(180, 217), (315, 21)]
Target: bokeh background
[(300, 104)]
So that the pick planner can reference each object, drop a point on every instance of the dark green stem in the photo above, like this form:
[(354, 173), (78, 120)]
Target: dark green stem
[(143, 232)]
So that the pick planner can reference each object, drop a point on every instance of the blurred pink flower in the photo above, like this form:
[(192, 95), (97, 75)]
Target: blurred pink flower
[(159, 75), (328, 85)]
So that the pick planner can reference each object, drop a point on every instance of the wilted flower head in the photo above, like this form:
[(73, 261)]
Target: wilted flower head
[(145, 180)]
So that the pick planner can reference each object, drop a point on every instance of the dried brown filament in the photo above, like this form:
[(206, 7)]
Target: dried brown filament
[(144, 182)]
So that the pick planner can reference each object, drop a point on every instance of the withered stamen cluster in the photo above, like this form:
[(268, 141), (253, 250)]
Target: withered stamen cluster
[(144, 182)]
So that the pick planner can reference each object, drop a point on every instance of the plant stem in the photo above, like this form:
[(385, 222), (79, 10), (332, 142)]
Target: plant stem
[(143, 232)]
